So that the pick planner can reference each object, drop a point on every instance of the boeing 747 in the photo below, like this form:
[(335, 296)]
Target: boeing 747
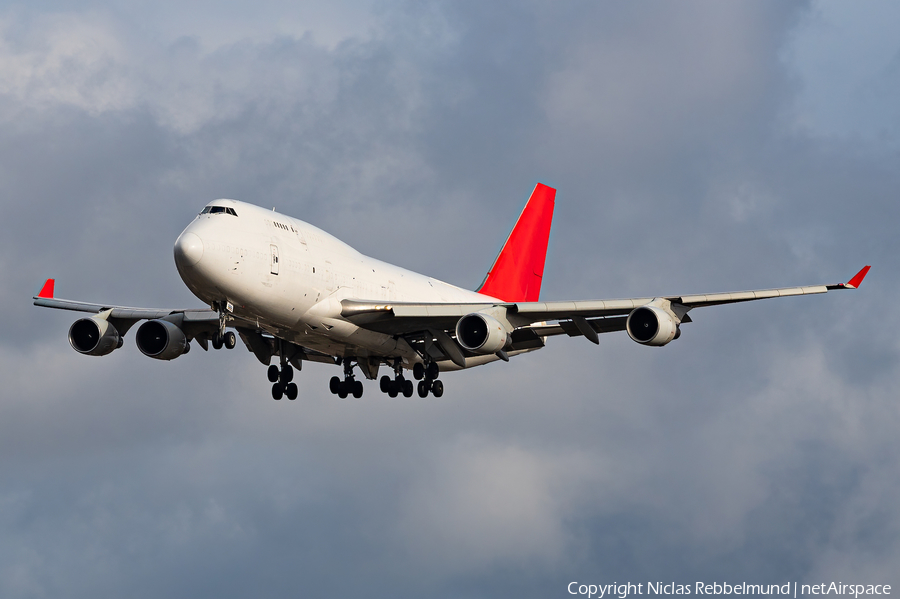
[(293, 292)]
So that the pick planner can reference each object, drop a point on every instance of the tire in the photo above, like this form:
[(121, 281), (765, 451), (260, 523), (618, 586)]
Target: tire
[(418, 371), (277, 391), (291, 391), (230, 340), (217, 341), (273, 374), (335, 385), (287, 374), (432, 371), (357, 389), (423, 389), (408, 388), (385, 383), (437, 388), (392, 392), (342, 393)]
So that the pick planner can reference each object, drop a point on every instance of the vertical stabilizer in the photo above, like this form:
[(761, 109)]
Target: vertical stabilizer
[(519, 268)]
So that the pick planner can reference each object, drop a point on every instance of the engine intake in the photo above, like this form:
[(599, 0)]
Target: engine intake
[(481, 334), (162, 340), (94, 336), (651, 325)]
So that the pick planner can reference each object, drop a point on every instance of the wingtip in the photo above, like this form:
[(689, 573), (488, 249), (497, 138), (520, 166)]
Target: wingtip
[(857, 280), (47, 289)]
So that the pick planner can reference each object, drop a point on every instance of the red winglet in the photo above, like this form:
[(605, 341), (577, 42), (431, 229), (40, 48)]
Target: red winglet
[(857, 280), (47, 289)]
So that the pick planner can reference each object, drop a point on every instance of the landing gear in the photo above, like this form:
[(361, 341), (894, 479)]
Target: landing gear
[(228, 340), (427, 375), (282, 389), (397, 385), (280, 377), (348, 386), (425, 371), (223, 338)]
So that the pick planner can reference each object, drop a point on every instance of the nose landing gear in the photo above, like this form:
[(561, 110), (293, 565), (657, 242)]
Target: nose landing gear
[(222, 338)]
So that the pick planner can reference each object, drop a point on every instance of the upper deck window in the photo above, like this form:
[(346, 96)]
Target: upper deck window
[(219, 209)]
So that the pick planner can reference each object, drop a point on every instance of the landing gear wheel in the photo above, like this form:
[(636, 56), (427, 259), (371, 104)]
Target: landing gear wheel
[(287, 374), (357, 389), (230, 340), (291, 391), (334, 385), (432, 371), (217, 342), (385, 384), (392, 391), (418, 371), (277, 391), (407, 388), (273, 374), (437, 388), (423, 389), (342, 392)]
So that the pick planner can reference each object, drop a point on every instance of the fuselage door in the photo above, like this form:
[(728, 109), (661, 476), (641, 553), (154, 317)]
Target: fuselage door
[(274, 259)]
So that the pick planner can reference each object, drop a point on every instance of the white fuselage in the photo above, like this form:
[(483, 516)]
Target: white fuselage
[(289, 277)]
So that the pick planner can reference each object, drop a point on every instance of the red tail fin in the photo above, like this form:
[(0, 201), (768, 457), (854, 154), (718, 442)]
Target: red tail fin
[(519, 268)]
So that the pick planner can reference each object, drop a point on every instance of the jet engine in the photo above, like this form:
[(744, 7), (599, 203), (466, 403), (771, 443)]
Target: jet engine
[(94, 336), (652, 325), (481, 334), (162, 340)]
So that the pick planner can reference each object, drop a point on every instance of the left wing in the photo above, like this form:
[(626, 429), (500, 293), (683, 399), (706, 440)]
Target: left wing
[(529, 320)]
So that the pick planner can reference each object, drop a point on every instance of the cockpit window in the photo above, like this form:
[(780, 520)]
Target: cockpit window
[(219, 209)]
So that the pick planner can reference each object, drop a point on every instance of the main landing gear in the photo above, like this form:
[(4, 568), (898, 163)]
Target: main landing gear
[(427, 375), (349, 386), (281, 379), (398, 384)]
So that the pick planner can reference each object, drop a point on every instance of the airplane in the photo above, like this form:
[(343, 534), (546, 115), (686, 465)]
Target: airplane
[(292, 291)]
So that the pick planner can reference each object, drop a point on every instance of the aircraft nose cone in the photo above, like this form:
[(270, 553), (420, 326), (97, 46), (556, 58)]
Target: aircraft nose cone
[(188, 249)]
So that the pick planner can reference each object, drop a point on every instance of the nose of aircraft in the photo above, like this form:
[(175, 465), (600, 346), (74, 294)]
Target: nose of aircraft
[(188, 249)]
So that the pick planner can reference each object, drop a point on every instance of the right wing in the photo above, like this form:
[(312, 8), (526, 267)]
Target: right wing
[(196, 323)]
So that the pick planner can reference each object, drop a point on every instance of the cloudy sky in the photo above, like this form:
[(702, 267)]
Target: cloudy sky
[(696, 146)]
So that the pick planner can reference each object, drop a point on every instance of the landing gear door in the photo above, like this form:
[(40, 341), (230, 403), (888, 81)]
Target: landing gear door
[(274, 268)]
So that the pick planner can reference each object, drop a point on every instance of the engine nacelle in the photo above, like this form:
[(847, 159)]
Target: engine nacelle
[(94, 336), (651, 325), (481, 334), (162, 340)]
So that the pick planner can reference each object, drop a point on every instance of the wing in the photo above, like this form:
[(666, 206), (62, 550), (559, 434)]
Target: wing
[(196, 323), (532, 320)]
